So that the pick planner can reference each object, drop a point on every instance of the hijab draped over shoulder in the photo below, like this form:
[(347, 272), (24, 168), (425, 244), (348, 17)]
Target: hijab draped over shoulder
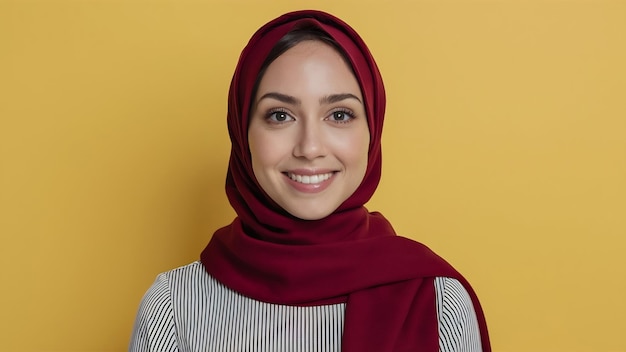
[(352, 255)]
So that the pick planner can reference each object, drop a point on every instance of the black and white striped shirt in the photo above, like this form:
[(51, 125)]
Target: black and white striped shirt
[(187, 310)]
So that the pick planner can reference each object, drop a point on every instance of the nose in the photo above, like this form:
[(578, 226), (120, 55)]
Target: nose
[(311, 141)]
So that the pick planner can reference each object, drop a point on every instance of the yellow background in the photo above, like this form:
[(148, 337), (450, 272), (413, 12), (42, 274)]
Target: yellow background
[(504, 150)]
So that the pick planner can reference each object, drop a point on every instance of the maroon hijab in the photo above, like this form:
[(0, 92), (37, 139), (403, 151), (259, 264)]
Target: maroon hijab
[(350, 256)]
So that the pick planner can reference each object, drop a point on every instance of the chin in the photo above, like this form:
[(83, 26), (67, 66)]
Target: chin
[(310, 216), (313, 213)]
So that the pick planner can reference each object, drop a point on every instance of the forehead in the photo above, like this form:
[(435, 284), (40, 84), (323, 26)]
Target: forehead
[(312, 46), (307, 64)]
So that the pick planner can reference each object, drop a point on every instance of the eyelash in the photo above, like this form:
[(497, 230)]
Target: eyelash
[(344, 111), (271, 114)]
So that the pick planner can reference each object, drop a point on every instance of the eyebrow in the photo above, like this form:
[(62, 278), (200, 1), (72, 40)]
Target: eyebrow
[(327, 99), (334, 98), (288, 99)]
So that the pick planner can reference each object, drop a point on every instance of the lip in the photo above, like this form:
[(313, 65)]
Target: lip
[(311, 187), (310, 172)]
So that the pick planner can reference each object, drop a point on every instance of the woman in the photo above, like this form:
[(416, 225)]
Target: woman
[(305, 266)]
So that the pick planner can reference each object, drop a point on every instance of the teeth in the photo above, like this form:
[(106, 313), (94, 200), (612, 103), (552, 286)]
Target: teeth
[(312, 179)]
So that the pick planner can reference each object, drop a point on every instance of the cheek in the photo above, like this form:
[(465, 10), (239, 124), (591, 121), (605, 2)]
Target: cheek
[(264, 150), (354, 148), (363, 153), (256, 151)]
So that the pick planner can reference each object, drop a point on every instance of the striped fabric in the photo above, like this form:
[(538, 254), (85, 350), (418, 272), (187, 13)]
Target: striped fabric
[(186, 310)]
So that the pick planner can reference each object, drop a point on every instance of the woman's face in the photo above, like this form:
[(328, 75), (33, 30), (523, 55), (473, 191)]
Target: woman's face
[(308, 131)]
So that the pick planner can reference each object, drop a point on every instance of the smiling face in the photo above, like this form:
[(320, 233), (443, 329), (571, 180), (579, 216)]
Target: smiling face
[(308, 132)]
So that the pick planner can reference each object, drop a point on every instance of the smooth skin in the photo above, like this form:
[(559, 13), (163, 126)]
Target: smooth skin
[(308, 132)]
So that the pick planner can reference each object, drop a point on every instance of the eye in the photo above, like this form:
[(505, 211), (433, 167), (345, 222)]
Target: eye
[(342, 116), (278, 116)]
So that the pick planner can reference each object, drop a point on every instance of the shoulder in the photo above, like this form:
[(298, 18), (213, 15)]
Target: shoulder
[(163, 317), (186, 275), (458, 324), (154, 328), (187, 289), (169, 311), (168, 285)]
